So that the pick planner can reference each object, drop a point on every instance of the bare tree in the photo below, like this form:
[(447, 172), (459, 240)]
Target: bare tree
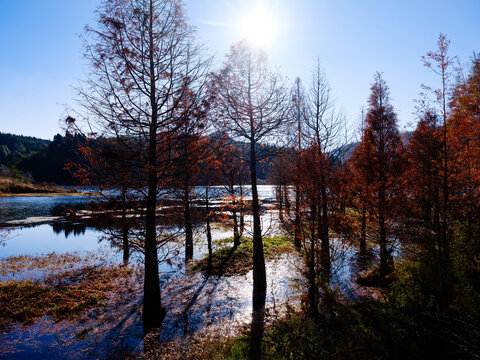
[(252, 106), (144, 71), (299, 115), (325, 131), (232, 173), (191, 147)]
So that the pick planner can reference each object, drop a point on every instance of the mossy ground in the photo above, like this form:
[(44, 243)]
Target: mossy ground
[(230, 261)]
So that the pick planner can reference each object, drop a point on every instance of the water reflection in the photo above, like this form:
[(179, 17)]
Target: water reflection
[(68, 228), (22, 207), (193, 301), (45, 238)]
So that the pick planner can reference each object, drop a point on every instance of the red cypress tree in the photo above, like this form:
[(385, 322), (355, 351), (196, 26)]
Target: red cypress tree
[(378, 162)]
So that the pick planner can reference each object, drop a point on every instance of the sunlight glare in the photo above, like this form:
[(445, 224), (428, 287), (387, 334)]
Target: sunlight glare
[(259, 27)]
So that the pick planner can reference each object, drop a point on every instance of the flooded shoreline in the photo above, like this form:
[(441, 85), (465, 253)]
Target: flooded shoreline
[(195, 302)]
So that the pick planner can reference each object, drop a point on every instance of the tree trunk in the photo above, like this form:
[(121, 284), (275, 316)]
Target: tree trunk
[(324, 235), (188, 228), (125, 244), (312, 283), (242, 212), (279, 197), (126, 248), (209, 232), (153, 312), (256, 333), (384, 255), (259, 274), (446, 271), (445, 265), (363, 234), (236, 234), (297, 238), (285, 195)]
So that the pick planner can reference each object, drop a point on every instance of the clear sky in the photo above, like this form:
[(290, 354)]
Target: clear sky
[(41, 51)]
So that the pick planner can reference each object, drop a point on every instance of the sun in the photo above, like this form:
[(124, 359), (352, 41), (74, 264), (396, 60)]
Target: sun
[(259, 27)]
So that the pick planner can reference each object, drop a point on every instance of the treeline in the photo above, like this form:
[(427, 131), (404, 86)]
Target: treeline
[(37, 160), (13, 147), (49, 164)]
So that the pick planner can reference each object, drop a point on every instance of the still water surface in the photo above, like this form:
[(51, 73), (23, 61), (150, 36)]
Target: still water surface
[(193, 301)]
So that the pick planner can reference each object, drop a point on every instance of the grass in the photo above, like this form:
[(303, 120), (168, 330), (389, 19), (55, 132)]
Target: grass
[(373, 278), (211, 347), (228, 261), (15, 187), (61, 296), (46, 265)]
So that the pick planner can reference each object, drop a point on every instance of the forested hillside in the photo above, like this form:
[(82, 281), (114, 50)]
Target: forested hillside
[(32, 159), (14, 147), (40, 160)]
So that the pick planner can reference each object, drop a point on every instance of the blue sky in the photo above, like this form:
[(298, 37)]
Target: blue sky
[(41, 50)]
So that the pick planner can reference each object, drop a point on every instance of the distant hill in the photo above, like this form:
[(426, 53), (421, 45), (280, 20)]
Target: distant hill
[(37, 159), (48, 164), (14, 147)]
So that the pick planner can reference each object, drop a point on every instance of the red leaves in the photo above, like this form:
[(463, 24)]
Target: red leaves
[(464, 140)]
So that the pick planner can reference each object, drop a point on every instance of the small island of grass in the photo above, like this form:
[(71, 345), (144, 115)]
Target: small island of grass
[(228, 260), (14, 187)]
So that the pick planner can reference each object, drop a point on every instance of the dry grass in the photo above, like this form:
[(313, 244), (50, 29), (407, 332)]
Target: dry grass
[(58, 294), (14, 186)]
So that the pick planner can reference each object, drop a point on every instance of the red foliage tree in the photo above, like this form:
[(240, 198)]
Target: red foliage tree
[(464, 142), (378, 163)]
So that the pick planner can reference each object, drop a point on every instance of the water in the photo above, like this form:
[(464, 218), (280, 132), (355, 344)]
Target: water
[(265, 192), (68, 237), (43, 239), (193, 302), (22, 207)]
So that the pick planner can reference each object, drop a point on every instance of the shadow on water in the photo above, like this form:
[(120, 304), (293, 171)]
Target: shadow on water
[(194, 301), (187, 310)]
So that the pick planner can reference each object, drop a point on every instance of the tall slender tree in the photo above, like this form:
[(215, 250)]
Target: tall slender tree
[(232, 174), (299, 111), (252, 106), (144, 70), (423, 171), (464, 141), (190, 148), (378, 160), (324, 132), (441, 63)]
